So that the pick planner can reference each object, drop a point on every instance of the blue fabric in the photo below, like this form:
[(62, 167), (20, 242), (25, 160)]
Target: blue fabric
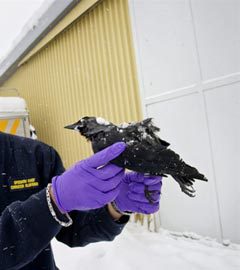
[(26, 225)]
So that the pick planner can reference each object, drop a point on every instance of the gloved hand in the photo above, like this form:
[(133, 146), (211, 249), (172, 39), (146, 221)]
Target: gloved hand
[(91, 183), (132, 196)]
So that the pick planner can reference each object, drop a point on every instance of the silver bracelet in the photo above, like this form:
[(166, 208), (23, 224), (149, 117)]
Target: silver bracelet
[(114, 206), (62, 223)]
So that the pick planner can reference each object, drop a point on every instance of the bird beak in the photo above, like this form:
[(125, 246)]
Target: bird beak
[(72, 126)]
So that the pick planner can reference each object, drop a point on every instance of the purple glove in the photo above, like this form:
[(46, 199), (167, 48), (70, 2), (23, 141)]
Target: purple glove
[(132, 196), (91, 183)]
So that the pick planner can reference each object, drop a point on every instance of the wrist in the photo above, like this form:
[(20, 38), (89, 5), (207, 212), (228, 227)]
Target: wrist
[(53, 198), (118, 210), (62, 218), (113, 213), (52, 195)]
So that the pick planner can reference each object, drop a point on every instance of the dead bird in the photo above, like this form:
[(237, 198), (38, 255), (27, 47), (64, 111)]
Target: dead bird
[(146, 152)]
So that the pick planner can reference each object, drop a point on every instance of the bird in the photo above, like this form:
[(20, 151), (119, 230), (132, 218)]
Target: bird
[(145, 151)]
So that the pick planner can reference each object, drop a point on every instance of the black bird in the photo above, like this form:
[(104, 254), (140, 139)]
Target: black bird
[(145, 151)]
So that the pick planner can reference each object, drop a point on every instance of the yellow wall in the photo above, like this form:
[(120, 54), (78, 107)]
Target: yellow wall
[(88, 69)]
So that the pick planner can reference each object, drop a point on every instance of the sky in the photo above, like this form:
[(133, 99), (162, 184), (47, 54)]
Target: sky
[(14, 14)]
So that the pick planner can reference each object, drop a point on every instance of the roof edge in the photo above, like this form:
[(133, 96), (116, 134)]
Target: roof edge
[(46, 22)]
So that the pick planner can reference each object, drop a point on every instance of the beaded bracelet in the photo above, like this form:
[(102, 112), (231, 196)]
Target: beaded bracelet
[(53, 213)]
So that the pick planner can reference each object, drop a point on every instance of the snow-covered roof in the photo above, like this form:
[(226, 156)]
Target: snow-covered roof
[(50, 13), (12, 104)]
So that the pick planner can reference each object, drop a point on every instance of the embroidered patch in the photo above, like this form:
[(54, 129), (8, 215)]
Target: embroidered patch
[(20, 184)]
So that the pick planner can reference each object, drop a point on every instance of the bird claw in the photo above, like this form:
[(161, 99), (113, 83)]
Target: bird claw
[(190, 191), (149, 194)]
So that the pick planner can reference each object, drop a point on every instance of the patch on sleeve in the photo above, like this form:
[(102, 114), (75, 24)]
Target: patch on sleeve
[(23, 184)]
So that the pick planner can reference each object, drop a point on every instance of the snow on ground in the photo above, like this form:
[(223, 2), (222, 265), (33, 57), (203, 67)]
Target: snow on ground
[(138, 249)]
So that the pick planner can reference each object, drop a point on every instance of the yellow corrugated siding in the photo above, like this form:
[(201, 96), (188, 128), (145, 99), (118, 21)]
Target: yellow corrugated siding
[(89, 69)]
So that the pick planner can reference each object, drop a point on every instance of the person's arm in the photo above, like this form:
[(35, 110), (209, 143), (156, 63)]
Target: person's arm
[(81, 188), (90, 227), (26, 228), (103, 224)]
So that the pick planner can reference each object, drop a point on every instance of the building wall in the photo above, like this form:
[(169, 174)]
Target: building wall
[(189, 68), (88, 69)]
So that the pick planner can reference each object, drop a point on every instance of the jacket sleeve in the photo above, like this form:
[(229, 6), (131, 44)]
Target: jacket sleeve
[(26, 228), (57, 167), (91, 226)]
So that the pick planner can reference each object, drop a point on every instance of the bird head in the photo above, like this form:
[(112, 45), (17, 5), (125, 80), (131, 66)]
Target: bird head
[(89, 125), (82, 124)]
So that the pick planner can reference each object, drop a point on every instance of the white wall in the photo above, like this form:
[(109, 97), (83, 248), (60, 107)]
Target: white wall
[(188, 58)]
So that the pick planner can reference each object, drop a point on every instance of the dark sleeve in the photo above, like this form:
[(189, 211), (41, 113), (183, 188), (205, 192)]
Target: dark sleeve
[(26, 228), (91, 226), (57, 165)]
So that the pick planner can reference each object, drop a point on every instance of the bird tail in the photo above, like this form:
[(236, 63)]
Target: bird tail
[(193, 173)]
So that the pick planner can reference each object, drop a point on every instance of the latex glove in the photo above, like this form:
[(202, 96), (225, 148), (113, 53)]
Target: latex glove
[(91, 183), (132, 196)]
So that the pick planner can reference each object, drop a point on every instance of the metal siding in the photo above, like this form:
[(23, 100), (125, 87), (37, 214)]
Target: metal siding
[(89, 69), (194, 99)]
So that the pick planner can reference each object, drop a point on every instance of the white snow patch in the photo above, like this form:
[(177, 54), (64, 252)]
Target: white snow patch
[(124, 125), (131, 142), (102, 121), (12, 104), (136, 248)]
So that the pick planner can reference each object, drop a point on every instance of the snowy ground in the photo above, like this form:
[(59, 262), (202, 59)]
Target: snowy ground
[(139, 249)]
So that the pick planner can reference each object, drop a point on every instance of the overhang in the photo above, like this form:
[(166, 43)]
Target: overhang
[(55, 13)]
